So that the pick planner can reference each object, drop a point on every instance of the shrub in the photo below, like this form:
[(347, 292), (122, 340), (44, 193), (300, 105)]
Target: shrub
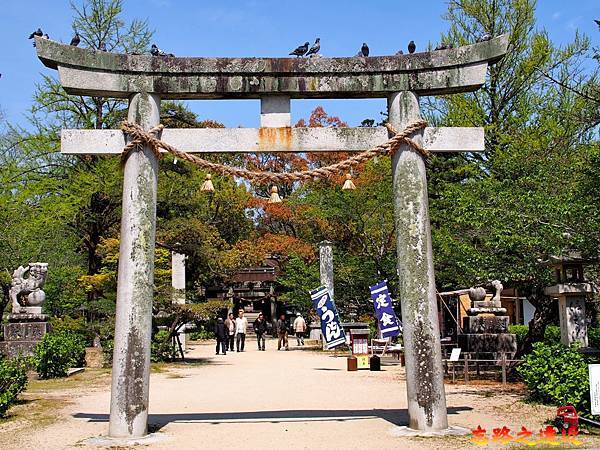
[(163, 348), (57, 352), (202, 332), (521, 332), (594, 337), (13, 379), (556, 374), (67, 324), (552, 335)]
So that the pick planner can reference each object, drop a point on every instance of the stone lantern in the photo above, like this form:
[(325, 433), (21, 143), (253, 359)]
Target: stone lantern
[(571, 290)]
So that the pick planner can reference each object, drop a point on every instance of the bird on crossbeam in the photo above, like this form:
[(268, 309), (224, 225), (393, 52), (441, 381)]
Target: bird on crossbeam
[(301, 50)]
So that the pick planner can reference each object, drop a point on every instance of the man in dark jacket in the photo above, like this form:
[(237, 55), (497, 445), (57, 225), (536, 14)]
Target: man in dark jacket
[(282, 333), (260, 328), (221, 335)]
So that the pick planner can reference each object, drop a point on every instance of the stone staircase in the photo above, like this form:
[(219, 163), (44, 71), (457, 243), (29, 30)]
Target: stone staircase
[(251, 316)]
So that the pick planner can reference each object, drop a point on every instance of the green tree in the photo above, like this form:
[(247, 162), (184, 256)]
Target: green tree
[(497, 214)]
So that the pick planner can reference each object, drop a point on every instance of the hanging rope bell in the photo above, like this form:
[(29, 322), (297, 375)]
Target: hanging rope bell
[(348, 184), (275, 198), (208, 186)]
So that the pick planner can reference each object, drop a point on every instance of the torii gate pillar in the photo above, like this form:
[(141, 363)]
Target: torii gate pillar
[(424, 373), (135, 285)]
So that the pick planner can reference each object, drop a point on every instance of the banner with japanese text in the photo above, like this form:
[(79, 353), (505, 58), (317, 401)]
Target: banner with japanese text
[(382, 302), (332, 330)]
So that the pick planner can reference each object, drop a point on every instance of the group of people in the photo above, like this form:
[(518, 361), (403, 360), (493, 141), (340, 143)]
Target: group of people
[(233, 330)]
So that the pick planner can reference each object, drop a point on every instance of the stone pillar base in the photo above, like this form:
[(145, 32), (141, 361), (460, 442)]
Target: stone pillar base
[(22, 333)]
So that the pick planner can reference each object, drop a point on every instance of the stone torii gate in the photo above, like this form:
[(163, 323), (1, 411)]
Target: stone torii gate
[(145, 80)]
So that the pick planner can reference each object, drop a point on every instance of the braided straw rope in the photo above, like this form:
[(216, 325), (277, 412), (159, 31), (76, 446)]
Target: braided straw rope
[(140, 138)]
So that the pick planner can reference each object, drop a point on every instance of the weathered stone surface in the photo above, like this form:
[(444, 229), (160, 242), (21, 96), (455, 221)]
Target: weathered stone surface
[(488, 343), (94, 357), (135, 284), (27, 331), (417, 291), (487, 304), (27, 317), (25, 293), (487, 310), (20, 338), (88, 72), (573, 322), (326, 265), (482, 324), (278, 139), (13, 349), (178, 285)]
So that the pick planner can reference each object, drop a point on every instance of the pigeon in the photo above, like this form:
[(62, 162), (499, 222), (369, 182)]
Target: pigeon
[(485, 37), (76, 40), (315, 48), (300, 51), (37, 32), (364, 50), (443, 46), (155, 51), (411, 47), (399, 52)]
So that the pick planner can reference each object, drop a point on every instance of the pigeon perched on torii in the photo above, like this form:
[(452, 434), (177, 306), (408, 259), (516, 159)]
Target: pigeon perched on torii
[(76, 40), (315, 48), (301, 50)]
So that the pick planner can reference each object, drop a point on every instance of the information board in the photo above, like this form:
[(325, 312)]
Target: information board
[(595, 387)]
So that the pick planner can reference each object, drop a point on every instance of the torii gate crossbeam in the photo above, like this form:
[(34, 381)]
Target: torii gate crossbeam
[(145, 80)]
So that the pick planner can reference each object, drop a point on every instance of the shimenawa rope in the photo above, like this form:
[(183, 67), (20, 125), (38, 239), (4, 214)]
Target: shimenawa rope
[(140, 138)]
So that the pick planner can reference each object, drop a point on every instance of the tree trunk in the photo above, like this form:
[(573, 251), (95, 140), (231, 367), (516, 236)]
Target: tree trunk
[(543, 316)]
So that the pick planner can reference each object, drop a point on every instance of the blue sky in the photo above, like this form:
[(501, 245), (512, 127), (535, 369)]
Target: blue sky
[(257, 28)]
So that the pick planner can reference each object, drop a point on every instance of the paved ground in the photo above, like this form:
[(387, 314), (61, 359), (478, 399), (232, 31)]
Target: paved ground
[(255, 400)]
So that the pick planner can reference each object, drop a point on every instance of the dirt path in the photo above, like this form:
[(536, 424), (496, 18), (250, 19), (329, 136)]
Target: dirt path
[(262, 400)]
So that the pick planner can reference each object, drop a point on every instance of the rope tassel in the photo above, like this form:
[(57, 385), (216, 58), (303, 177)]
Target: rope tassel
[(275, 198), (208, 186), (348, 184)]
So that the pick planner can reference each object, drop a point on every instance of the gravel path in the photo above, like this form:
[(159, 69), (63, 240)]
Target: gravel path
[(269, 399)]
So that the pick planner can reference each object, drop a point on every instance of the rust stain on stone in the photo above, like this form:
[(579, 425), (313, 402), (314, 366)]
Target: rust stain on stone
[(275, 138)]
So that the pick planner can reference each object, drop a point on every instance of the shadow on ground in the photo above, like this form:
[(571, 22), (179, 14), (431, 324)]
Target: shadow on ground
[(394, 416)]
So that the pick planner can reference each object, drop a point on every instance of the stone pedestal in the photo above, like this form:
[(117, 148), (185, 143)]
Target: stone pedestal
[(22, 333), (488, 342), (573, 326), (485, 329)]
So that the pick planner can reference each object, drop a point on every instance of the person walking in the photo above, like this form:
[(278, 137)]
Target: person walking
[(230, 326), (221, 334), (241, 324), (282, 333), (260, 328), (299, 328)]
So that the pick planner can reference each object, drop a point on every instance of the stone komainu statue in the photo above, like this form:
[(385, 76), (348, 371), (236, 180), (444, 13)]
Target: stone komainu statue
[(28, 291)]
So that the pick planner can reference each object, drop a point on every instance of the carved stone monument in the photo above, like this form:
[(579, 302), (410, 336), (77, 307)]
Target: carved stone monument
[(26, 324), (486, 326), (571, 291)]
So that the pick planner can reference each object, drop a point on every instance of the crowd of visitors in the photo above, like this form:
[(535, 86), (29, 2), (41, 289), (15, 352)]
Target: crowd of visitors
[(233, 331)]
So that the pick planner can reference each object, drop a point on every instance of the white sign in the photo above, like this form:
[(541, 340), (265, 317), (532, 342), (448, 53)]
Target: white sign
[(455, 354), (595, 387)]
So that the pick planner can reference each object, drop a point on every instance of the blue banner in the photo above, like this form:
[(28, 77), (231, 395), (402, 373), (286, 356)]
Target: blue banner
[(333, 333), (389, 325)]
